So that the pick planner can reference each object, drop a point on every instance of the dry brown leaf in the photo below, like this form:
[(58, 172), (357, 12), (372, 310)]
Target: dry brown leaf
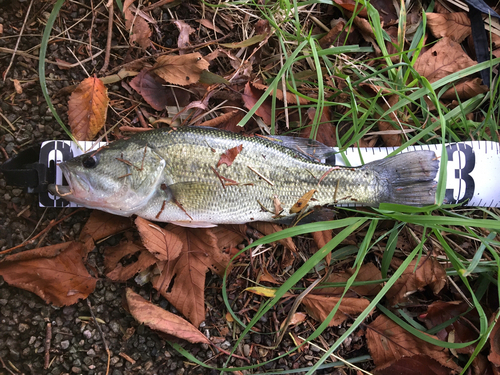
[(455, 26), (55, 273), (297, 318), (137, 26), (184, 31), (220, 120), (229, 156), (17, 86), (462, 329), (321, 238), (250, 96), (428, 273), (388, 342), (156, 94), (210, 25), (164, 245), (101, 225), (318, 307), (414, 365), (466, 90), (116, 271), (302, 202), (444, 58), (368, 272), (87, 109), (180, 70), (187, 272), (494, 339), (161, 320)]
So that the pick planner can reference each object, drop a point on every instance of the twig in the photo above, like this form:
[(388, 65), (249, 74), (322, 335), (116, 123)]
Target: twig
[(156, 5), (102, 335), (18, 40), (5, 367), (48, 340), (61, 64), (110, 34), (260, 175), (50, 226)]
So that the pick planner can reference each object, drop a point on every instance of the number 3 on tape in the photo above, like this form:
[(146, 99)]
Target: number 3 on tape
[(462, 159)]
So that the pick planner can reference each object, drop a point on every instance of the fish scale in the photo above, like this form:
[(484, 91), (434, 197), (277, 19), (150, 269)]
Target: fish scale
[(189, 189)]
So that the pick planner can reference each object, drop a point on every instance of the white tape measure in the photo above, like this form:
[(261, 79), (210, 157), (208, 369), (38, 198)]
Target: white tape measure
[(473, 175)]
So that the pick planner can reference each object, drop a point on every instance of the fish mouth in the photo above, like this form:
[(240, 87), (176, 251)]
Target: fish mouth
[(75, 185)]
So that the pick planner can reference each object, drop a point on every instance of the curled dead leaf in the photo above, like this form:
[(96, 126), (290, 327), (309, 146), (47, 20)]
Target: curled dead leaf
[(87, 108), (161, 320), (302, 202)]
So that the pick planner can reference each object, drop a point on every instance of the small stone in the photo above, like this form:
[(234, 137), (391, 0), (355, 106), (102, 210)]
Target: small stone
[(65, 344), (23, 327), (76, 370), (91, 352), (87, 334), (246, 350), (16, 192)]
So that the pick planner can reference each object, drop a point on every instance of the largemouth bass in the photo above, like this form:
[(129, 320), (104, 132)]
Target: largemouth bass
[(177, 176)]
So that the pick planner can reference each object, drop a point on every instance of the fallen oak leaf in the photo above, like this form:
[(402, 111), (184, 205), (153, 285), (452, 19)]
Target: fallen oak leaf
[(164, 245), (229, 156), (466, 90), (87, 108), (161, 320), (180, 70), (55, 273)]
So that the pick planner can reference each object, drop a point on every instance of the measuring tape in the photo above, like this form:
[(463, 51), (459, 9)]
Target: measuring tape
[(473, 169)]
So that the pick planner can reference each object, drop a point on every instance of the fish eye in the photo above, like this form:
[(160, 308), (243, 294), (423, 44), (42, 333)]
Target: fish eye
[(89, 162)]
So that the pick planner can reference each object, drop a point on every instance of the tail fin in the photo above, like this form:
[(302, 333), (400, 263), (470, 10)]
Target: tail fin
[(409, 176)]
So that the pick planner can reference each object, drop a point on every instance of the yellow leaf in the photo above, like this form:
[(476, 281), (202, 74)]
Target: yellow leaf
[(302, 202), (262, 291)]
